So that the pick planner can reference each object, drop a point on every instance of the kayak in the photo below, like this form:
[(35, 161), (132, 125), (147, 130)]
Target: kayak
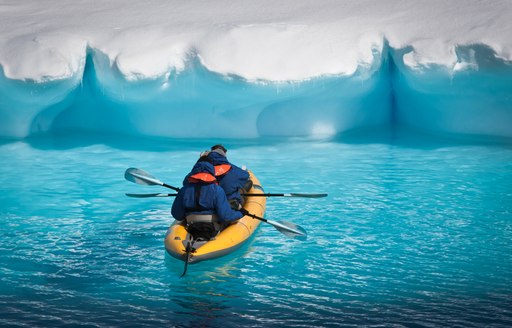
[(228, 240)]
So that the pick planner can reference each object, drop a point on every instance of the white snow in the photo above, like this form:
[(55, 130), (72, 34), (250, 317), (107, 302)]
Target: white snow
[(271, 40)]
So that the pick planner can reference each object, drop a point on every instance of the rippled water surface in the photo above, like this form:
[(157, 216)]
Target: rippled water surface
[(413, 233)]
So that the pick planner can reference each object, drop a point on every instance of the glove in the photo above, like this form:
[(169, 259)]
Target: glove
[(235, 204), (243, 211)]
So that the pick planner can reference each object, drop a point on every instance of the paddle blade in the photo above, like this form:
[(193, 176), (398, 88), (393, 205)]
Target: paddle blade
[(307, 195), (141, 177), (150, 195), (286, 195), (289, 229)]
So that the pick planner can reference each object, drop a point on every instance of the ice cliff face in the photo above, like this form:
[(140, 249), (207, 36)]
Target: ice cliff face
[(199, 103), (218, 69)]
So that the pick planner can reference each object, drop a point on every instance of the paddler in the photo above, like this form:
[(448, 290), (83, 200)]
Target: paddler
[(203, 203), (232, 178)]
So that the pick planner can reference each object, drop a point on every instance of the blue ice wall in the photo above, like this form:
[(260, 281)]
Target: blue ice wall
[(474, 101), (197, 103)]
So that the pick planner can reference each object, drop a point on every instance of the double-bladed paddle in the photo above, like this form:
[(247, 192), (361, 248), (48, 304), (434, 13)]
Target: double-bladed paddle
[(144, 178), (246, 194)]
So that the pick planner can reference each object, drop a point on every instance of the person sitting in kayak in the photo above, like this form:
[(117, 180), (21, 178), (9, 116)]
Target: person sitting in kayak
[(232, 179), (203, 203)]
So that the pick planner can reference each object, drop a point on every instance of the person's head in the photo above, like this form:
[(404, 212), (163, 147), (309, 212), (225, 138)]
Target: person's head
[(220, 149), (203, 157), (203, 171)]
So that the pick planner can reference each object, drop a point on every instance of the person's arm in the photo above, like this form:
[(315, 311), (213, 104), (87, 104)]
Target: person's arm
[(223, 209), (241, 176), (178, 210)]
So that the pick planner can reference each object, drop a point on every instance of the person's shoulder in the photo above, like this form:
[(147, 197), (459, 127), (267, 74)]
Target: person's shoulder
[(217, 191), (235, 167), (238, 170), (212, 190), (215, 187)]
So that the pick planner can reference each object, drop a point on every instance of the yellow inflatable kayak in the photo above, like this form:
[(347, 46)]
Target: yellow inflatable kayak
[(226, 241)]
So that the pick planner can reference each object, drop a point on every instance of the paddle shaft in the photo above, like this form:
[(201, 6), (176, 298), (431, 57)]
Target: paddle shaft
[(257, 217), (248, 195), (142, 177), (287, 195), (170, 187)]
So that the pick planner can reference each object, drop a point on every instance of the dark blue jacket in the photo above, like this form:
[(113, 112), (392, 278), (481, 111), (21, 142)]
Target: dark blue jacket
[(234, 180), (212, 198)]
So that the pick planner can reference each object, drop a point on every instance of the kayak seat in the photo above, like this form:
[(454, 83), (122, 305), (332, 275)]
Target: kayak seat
[(202, 226)]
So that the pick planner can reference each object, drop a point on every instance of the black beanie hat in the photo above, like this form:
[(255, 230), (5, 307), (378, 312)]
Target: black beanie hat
[(220, 147)]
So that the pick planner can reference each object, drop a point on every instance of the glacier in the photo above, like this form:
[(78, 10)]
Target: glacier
[(286, 69)]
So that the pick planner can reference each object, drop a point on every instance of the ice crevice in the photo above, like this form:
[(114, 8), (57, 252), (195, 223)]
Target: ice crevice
[(186, 98)]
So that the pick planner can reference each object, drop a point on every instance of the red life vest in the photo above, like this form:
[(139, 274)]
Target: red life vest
[(222, 169), (202, 177)]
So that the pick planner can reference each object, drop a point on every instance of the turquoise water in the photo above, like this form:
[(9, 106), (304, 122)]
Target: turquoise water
[(415, 232)]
